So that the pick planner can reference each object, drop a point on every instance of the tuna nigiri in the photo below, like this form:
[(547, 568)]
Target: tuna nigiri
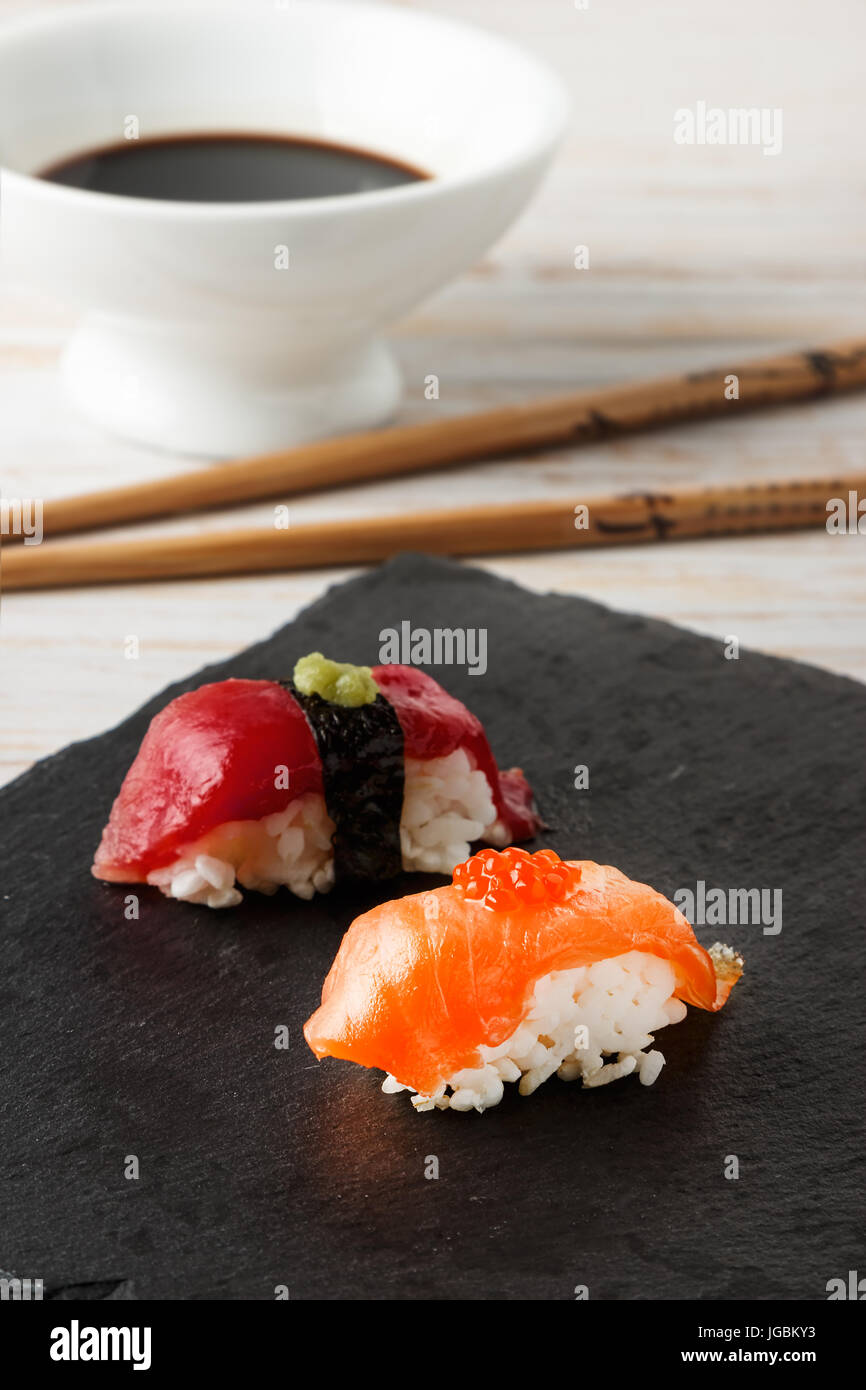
[(523, 966), (342, 771)]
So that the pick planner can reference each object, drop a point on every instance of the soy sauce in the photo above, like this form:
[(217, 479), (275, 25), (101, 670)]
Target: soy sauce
[(230, 169)]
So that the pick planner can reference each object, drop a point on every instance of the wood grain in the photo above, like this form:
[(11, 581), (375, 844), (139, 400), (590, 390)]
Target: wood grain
[(506, 528), (576, 419), (697, 256)]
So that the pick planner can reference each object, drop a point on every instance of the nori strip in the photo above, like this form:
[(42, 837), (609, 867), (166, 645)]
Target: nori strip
[(361, 750)]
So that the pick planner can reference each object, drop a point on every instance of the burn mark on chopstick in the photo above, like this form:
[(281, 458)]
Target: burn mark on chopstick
[(828, 363), (655, 520), (822, 364), (719, 517), (596, 425), (662, 525)]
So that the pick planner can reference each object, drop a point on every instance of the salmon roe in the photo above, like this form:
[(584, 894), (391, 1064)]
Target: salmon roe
[(503, 880)]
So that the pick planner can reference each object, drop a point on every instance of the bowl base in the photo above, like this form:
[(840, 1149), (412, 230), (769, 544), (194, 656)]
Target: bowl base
[(162, 393)]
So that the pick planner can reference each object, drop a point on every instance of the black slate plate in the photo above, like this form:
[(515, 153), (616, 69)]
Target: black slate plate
[(260, 1167)]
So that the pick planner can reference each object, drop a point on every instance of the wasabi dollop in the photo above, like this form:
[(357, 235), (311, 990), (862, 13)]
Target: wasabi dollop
[(336, 681)]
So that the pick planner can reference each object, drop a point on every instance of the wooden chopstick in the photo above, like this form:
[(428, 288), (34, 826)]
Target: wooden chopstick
[(578, 418), (498, 529)]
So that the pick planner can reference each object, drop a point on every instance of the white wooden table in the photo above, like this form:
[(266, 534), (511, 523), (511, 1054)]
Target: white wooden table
[(697, 255)]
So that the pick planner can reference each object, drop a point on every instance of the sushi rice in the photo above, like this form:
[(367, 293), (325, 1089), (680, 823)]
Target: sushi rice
[(524, 965), (616, 1004), (447, 806)]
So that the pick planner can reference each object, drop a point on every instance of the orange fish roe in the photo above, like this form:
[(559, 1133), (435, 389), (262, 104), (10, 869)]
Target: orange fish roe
[(503, 880)]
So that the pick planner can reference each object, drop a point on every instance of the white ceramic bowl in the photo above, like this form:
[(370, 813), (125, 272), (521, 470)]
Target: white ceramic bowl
[(191, 338)]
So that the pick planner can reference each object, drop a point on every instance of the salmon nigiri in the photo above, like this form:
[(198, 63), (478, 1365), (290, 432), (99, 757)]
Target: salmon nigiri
[(525, 965)]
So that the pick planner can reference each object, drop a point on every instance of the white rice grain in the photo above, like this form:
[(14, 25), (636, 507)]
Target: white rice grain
[(447, 806), (611, 1007)]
